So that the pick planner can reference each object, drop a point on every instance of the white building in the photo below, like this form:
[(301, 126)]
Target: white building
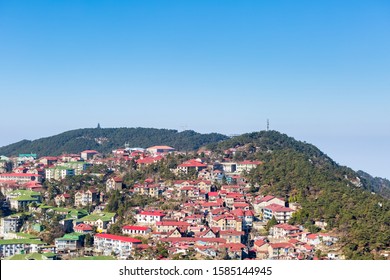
[(149, 217), (114, 244)]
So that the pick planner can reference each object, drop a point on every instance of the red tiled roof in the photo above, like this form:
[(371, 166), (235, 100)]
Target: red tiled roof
[(312, 236), (117, 237), (281, 245), (152, 213), (193, 239), (192, 163), (278, 208), (83, 227), (135, 228), (172, 223), (260, 242), (286, 227), (237, 212), (266, 198), (233, 246), (19, 175), (249, 213)]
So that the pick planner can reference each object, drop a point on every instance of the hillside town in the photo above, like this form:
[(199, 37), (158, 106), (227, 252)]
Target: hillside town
[(154, 203)]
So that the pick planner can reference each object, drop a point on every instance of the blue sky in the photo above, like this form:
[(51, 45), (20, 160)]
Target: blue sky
[(319, 70)]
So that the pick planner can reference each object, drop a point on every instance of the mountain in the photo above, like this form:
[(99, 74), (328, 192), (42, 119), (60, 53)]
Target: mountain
[(375, 184), (106, 139), (327, 192)]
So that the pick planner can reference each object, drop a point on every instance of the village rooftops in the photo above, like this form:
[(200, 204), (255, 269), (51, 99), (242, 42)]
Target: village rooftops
[(152, 213), (117, 237)]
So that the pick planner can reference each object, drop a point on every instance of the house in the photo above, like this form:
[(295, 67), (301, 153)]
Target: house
[(61, 199), (114, 183), (85, 198), (229, 167), (204, 185), (101, 220), (234, 250), (167, 226), (312, 239), (10, 247), (69, 242), (249, 217), (261, 202), (231, 236), (83, 228), (20, 177), (247, 165), (152, 190), (149, 217), (226, 222), (213, 196), (109, 244), (20, 199), (190, 192), (283, 230), (261, 248), (281, 213), (11, 224), (191, 165), (136, 230), (142, 162), (155, 150), (58, 173), (280, 250), (88, 154), (48, 160), (78, 166)]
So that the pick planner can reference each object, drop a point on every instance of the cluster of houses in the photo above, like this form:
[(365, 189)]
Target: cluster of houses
[(218, 215)]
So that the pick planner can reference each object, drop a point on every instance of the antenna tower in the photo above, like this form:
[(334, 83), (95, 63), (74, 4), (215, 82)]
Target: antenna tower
[(267, 124)]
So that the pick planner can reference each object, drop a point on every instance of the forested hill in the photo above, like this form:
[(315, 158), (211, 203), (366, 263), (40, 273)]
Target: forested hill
[(106, 139), (326, 191)]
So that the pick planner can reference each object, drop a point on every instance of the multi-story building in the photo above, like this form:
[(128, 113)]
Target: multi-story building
[(58, 173), (115, 183), (20, 177), (109, 244), (281, 213), (88, 154), (85, 198), (226, 222), (101, 220), (5, 164), (149, 217), (10, 247), (20, 199), (247, 165), (136, 230), (11, 224), (69, 242), (78, 166), (155, 150)]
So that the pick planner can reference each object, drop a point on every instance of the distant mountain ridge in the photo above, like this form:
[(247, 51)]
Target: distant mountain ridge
[(106, 139)]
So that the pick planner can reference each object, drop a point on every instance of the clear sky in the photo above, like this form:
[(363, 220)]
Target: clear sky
[(319, 70)]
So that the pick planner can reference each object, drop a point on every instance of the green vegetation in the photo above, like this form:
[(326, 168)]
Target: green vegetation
[(326, 191), (75, 141)]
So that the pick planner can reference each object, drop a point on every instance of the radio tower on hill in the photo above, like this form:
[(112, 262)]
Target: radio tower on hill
[(267, 124)]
